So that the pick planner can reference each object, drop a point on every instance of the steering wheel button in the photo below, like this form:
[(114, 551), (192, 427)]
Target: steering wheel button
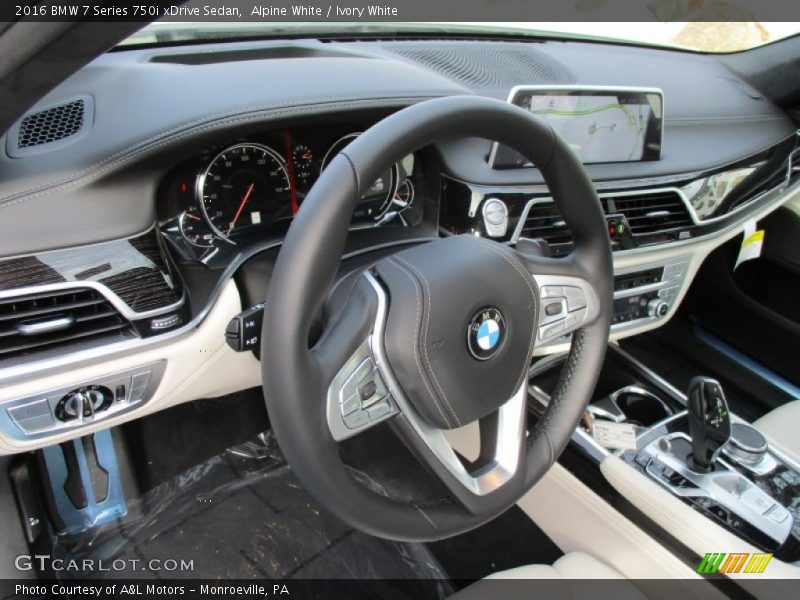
[(356, 419), (552, 309), (575, 318), (367, 390), (547, 331), (364, 370), (351, 404), (551, 291), (379, 410), (776, 514), (575, 298), (350, 388)]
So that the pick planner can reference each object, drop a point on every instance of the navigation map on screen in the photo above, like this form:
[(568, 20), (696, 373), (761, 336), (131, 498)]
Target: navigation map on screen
[(600, 125), (597, 128)]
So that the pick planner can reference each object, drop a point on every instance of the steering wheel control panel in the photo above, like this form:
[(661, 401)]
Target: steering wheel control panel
[(86, 402), (358, 396)]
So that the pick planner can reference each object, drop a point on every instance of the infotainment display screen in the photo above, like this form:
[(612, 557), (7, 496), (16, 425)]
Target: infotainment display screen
[(601, 125)]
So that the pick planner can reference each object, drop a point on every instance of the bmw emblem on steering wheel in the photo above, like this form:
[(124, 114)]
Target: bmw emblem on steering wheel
[(486, 333)]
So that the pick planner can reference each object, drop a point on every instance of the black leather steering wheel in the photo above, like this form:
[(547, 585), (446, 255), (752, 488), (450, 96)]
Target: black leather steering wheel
[(436, 336)]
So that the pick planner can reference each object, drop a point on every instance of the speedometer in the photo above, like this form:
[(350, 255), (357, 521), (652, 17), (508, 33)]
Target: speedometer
[(244, 185)]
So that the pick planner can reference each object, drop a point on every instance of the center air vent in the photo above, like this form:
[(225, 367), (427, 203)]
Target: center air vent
[(650, 212), (51, 127), (57, 319), (485, 64)]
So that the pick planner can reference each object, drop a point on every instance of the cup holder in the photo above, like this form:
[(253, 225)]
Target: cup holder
[(640, 406), (632, 404)]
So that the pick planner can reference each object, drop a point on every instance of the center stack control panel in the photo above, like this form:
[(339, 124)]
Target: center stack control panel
[(647, 294)]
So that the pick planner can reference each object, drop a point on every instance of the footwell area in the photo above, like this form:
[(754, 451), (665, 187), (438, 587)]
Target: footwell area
[(241, 515)]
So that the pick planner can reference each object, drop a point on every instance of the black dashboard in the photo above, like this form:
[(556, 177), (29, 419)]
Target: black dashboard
[(186, 165)]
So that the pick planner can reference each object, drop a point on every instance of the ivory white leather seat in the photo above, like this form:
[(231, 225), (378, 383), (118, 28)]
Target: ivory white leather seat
[(781, 427), (571, 566)]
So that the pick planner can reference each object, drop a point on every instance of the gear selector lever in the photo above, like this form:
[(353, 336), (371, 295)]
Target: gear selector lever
[(709, 422)]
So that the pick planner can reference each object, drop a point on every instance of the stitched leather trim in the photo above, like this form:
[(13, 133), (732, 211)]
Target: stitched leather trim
[(417, 351)]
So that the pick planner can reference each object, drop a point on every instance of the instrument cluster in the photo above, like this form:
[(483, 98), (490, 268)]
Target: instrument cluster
[(252, 188)]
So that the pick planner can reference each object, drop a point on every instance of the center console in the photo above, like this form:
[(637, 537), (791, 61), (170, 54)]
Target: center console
[(690, 445)]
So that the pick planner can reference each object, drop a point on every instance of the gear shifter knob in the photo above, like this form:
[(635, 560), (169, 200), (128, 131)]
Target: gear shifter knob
[(709, 422)]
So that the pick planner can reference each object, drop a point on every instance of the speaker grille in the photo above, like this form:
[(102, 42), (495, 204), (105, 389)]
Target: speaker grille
[(51, 127), (485, 64), (52, 124)]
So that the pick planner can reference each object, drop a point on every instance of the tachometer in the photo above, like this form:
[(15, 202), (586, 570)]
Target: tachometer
[(195, 230), (378, 198), (303, 163), (244, 185)]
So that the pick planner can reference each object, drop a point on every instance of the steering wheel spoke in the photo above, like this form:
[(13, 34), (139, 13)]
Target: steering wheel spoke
[(501, 455), (502, 432)]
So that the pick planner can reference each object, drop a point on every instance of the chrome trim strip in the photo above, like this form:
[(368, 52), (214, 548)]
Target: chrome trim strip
[(100, 288), (785, 187), (580, 88), (510, 428)]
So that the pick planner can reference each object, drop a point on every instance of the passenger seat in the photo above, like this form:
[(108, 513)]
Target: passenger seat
[(573, 565), (780, 426)]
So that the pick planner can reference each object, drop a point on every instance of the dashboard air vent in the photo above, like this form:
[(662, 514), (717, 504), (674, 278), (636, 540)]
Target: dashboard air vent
[(543, 221), (485, 64), (744, 89), (51, 127), (651, 212), (56, 319)]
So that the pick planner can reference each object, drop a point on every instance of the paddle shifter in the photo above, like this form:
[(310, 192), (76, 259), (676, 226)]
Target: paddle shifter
[(709, 423)]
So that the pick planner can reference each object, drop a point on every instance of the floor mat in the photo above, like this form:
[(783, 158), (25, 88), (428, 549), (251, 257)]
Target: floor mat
[(243, 517)]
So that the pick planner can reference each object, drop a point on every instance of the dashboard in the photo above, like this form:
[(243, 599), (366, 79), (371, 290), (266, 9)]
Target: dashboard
[(133, 241)]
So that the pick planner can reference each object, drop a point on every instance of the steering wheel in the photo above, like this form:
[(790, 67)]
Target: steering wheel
[(435, 336)]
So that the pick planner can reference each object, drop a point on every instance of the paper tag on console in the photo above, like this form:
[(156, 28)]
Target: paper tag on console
[(752, 243), (614, 435)]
